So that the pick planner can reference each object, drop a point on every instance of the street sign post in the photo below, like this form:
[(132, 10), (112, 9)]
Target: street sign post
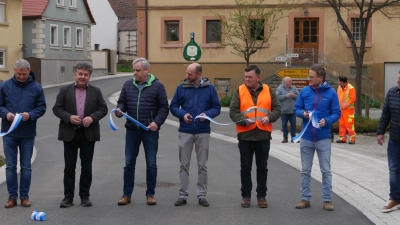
[(293, 73)]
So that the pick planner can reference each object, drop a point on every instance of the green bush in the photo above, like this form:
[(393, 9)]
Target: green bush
[(127, 67), (2, 161), (226, 101), (373, 103)]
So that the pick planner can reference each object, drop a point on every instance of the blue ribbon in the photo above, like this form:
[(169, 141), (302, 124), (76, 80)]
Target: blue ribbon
[(224, 124), (315, 123), (14, 124), (114, 127)]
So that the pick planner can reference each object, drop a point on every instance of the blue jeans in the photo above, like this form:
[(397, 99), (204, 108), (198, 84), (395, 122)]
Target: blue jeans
[(247, 150), (25, 145), (133, 139), (323, 149), (393, 153), (292, 120)]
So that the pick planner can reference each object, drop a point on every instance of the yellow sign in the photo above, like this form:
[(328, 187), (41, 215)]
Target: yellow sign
[(293, 73)]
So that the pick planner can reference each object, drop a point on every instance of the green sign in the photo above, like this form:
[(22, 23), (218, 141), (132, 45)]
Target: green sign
[(192, 51)]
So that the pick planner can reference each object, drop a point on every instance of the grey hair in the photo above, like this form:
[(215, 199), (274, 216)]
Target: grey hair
[(83, 66), (284, 79), (22, 64), (145, 63)]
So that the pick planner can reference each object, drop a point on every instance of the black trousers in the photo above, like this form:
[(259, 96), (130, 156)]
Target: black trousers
[(70, 157), (261, 151)]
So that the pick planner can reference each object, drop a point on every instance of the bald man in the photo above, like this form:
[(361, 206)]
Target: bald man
[(194, 96)]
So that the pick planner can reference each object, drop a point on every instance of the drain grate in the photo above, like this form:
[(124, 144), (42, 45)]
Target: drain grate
[(158, 185)]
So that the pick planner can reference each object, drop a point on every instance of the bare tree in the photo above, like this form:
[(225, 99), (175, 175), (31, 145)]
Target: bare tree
[(249, 26), (365, 9)]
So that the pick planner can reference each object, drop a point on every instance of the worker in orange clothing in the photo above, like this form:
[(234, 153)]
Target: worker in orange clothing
[(347, 97)]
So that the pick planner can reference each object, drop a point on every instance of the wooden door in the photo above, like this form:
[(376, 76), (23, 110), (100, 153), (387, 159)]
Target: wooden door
[(306, 33)]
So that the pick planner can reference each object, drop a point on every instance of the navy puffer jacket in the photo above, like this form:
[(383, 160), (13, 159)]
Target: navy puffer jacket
[(391, 114), (19, 97), (146, 106)]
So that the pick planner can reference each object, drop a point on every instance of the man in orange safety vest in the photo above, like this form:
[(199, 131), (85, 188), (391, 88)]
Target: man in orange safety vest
[(347, 97)]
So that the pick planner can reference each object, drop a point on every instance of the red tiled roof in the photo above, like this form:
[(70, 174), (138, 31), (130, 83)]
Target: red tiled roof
[(127, 24), (34, 7), (124, 8)]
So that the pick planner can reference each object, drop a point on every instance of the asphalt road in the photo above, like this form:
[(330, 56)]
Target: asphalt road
[(224, 183)]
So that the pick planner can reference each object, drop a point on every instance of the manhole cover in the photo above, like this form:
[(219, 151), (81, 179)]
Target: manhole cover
[(159, 184)]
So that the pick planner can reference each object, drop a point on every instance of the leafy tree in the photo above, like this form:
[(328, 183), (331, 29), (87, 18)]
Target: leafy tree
[(365, 9), (250, 25)]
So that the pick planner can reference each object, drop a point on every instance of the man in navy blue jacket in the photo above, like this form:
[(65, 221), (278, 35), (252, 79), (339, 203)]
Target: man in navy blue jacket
[(195, 96), (20, 94), (144, 99)]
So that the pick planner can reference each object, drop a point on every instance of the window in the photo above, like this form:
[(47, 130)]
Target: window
[(354, 22), (53, 35), (257, 29), (60, 2), (2, 12), (67, 37), (222, 84), (79, 37), (213, 31), (72, 3), (2, 58), (96, 47), (171, 32)]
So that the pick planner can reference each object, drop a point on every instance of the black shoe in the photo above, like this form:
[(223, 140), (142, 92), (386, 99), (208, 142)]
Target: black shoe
[(85, 201), (66, 202), (181, 201), (203, 202)]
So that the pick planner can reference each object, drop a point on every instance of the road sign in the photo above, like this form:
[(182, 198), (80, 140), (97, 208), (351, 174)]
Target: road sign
[(280, 58), (300, 83), (292, 55), (293, 73)]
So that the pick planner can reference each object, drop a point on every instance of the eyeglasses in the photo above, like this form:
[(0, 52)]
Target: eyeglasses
[(312, 77)]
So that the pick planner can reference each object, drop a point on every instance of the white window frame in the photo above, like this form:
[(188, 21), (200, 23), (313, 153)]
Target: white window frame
[(72, 3), (67, 36), (79, 37), (56, 35), (2, 12), (3, 64), (60, 2)]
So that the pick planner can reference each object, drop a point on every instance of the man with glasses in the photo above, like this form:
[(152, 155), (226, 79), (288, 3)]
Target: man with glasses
[(318, 102)]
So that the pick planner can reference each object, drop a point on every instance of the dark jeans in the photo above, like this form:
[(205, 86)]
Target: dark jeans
[(292, 120), (247, 150), (70, 157), (393, 154), (133, 139)]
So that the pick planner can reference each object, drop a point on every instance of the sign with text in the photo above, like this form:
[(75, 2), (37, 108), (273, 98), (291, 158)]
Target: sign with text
[(293, 73), (300, 83)]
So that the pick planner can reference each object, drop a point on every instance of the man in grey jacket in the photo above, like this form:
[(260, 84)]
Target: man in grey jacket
[(287, 95)]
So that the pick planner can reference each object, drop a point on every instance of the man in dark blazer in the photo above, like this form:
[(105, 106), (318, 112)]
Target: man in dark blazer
[(79, 106)]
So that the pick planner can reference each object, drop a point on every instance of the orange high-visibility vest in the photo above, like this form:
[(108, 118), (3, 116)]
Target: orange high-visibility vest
[(344, 96), (255, 113)]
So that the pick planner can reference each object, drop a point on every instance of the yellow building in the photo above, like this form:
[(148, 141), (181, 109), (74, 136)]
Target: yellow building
[(10, 36), (306, 27)]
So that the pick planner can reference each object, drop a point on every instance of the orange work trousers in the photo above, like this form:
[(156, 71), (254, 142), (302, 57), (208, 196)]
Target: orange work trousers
[(346, 125)]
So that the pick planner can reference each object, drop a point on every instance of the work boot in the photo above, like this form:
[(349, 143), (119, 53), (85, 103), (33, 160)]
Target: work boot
[(303, 204), (285, 140), (328, 206), (340, 141)]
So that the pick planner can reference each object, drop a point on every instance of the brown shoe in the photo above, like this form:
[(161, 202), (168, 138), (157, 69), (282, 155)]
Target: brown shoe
[(392, 205), (11, 203), (151, 200), (262, 203), (303, 204), (328, 206), (245, 203), (125, 200), (285, 140), (25, 202)]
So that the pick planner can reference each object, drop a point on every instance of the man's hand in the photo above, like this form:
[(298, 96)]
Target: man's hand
[(264, 120), (322, 122), (290, 95), (25, 116), (187, 118), (118, 112), (381, 139), (306, 114), (87, 121), (202, 119), (250, 122), (153, 126), (10, 116), (74, 119)]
